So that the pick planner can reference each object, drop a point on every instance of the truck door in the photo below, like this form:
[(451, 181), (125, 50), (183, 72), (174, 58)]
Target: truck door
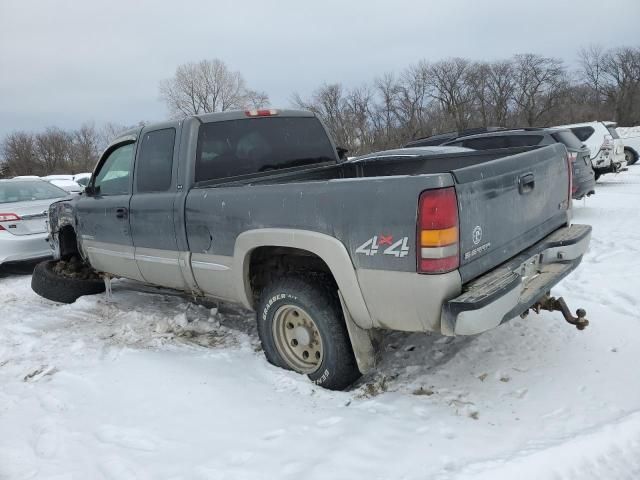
[(103, 213), (152, 207)]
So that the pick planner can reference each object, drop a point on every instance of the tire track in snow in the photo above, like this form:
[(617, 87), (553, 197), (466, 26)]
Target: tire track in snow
[(608, 450)]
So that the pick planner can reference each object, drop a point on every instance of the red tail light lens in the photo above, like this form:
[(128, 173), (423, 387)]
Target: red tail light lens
[(570, 159), (8, 217), (437, 231)]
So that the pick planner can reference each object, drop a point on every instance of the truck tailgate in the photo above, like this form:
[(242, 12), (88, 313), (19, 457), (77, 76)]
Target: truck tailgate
[(507, 205)]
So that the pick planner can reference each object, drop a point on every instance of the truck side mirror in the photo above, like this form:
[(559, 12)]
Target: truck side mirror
[(342, 153), (91, 190)]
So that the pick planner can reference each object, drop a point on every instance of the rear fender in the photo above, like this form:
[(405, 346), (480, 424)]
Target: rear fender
[(329, 249)]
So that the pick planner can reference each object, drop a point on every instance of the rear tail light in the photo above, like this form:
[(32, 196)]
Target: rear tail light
[(260, 113), (8, 217), (437, 231), (572, 157), (608, 142)]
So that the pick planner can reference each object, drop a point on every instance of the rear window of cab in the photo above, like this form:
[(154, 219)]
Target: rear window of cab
[(233, 148)]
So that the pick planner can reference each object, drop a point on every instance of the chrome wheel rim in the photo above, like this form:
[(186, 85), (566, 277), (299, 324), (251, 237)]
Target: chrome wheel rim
[(297, 339), (627, 156)]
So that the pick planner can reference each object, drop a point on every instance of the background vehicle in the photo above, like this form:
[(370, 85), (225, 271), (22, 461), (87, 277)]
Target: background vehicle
[(411, 152), (442, 138), (583, 174), (67, 185), (24, 205), (607, 149), (259, 208), (82, 179), (631, 138)]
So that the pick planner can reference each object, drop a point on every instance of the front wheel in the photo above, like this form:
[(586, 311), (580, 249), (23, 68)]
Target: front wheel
[(65, 282), (302, 328)]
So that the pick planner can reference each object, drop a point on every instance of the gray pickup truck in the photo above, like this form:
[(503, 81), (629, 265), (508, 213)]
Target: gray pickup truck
[(260, 208)]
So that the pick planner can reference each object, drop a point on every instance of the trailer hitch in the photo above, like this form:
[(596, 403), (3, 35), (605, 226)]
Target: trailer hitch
[(552, 304)]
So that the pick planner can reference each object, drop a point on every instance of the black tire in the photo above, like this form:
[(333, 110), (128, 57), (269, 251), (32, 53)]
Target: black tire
[(597, 176), (47, 283), (319, 300), (630, 156)]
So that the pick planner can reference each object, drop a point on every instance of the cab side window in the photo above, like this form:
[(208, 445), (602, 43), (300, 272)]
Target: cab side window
[(113, 177), (155, 161)]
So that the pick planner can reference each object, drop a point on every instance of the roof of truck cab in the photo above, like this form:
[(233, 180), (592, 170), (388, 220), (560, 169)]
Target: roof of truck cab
[(132, 133)]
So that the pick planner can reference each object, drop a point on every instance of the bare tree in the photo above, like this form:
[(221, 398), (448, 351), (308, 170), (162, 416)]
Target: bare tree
[(52, 147), (19, 155), (413, 101), (328, 102), (539, 83), (591, 69), (451, 87), (208, 86), (621, 67), (84, 149)]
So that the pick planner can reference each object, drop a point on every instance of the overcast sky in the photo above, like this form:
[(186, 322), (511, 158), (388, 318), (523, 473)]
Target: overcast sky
[(66, 62)]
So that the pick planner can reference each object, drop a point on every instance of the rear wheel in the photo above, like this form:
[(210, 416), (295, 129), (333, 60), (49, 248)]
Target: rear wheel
[(630, 156), (301, 327), (65, 282)]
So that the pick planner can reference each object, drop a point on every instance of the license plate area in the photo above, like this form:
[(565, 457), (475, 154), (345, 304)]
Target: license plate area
[(530, 267)]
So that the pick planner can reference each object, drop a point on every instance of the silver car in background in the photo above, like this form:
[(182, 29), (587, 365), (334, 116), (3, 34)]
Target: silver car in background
[(24, 205)]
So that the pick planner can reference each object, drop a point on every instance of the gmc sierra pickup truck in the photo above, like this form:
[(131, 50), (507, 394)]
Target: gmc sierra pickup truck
[(260, 208)]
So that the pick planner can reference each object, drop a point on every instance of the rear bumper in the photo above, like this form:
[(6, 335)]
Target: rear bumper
[(14, 248), (510, 289)]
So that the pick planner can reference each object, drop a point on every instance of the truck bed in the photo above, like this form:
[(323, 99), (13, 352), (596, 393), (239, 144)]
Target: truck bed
[(356, 201)]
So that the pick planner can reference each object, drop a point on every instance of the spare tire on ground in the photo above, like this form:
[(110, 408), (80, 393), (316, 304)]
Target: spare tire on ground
[(65, 282)]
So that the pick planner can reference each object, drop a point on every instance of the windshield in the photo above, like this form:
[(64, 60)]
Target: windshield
[(240, 147), (25, 191)]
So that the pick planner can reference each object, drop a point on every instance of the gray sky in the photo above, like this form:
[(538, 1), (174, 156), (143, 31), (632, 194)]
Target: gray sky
[(66, 62)]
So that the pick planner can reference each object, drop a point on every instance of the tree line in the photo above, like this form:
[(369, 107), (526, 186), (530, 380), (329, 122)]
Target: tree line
[(526, 90), (54, 150), (423, 99)]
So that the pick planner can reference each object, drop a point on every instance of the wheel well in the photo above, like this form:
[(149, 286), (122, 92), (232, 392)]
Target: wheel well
[(271, 262), (68, 242)]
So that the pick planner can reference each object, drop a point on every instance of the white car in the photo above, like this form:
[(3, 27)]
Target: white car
[(82, 178), (631, 138), (24, 205), (607, 149), (67, 185)]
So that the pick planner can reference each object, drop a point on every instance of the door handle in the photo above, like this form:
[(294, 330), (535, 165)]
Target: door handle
[(526, 183), (122, 212)]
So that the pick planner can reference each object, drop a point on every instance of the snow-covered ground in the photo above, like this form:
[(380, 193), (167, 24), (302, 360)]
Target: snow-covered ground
[(151, 386), (625, 132)]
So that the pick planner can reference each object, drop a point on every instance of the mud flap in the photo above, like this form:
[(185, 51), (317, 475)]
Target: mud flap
[(360, 341)]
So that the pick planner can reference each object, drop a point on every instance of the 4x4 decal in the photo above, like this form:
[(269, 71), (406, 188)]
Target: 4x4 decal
[(399, 249)]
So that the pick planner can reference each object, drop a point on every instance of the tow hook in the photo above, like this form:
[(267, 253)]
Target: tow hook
[(553, 304)]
